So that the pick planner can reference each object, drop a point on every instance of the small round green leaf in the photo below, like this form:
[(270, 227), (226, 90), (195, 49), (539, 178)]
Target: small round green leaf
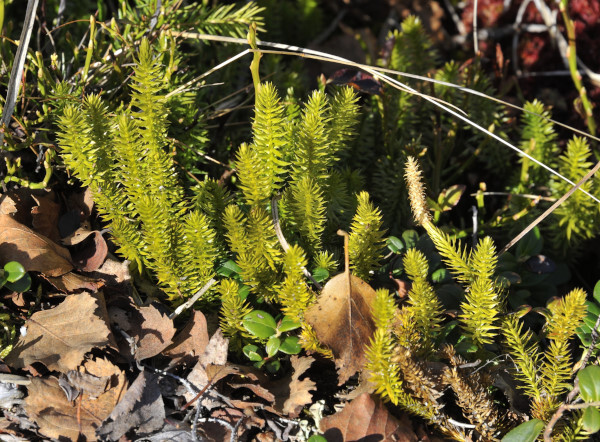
[(589, 383), (410, 238), (465, 346), (526, 432), (272, 346), (14, 271), (287, 324), (290, 346), (394, 244), (591, 420), (440, 275), (320, 274), (273, 366), (316, 438), (22, 285), (260, 324), (251, 352), (448, 198)]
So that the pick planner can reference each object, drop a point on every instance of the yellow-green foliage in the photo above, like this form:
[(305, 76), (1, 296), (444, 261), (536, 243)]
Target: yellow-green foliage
[(576, 217), (253, 240), (545, 378), (233, 310), (384, 372), (403, 374), (124, 160), (539, 140), (483, 298), (366, 238), (294, 294), (425, 307)]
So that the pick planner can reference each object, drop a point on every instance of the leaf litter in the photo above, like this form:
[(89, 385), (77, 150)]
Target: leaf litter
[(77, 391)]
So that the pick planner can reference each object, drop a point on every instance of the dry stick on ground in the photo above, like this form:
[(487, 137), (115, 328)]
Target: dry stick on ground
[(193, 299)]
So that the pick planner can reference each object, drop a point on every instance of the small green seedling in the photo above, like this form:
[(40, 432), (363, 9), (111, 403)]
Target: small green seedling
[(14, 277), (264, 327)]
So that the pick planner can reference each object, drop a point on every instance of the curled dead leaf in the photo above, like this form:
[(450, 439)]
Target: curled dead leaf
[(71, 282), (88, 249), (191, 341), (291, 393), (35, 252)]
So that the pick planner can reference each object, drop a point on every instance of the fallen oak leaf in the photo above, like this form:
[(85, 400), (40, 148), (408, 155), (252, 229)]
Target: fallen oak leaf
[(292, 394), (190, 342), (60, 337), (34, 251), (58, 417), (365, 418), (153, 334), (342, 320), (212, 361), (76, 382)]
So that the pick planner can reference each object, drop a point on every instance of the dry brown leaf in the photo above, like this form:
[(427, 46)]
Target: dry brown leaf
[(84, 383), (44, 217), (342, 320), (191, 341), (77, 237), (56, 416), (292, 394), (71, 282), (90, 253), (113, 272), (8, 204), (19, 202), (142, 408), (153, 334), (34, 251), (60, 337), (215, 357), (366, 418), (82, 201)]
